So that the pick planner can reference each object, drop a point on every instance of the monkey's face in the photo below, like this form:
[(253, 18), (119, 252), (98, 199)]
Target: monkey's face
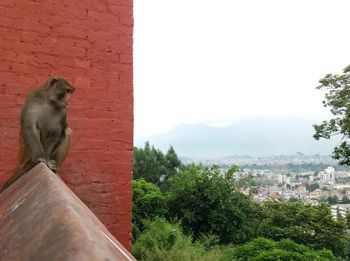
[(64, 98), (60, 92)]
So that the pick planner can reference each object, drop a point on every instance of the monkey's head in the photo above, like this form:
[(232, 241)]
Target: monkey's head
[(59, 91)]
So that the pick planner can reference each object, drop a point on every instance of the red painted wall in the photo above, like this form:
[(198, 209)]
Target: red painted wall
[(90, 43)]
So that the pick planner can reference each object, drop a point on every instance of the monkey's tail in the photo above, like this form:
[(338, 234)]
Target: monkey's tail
[(16, 175)]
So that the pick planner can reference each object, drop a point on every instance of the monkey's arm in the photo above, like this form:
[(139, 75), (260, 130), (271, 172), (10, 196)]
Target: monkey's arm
[(50, 145), (52, 141), (31, 137)]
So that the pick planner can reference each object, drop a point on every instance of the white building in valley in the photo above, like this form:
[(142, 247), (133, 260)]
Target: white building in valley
[(340, 210), (327, 175)]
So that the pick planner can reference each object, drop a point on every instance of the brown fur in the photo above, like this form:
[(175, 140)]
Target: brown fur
[(45, 136)]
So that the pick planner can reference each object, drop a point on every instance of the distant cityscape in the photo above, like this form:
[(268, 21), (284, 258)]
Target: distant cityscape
[(272, 161), (312, 179), (328, 185)]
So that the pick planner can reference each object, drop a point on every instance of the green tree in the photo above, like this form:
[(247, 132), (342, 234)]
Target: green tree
[(292, 199), (312, 186), (148, 203), (332, 200), (337, 98), (207, 202), (172, 162), (162, 241), (304, 224), (261, 249), (153, 166), (345, 199)]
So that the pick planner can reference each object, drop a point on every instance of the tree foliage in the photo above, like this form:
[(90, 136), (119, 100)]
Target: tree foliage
[(148, 203), (166, 242), (345, 200), (337, 98), (162, 241), (153, 166), (207, 202), (213, 211), (304, 224), (312, 186), (261, 249), (332, 200)]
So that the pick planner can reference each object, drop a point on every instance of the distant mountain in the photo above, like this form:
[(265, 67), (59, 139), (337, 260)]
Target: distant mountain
[(259, 137)]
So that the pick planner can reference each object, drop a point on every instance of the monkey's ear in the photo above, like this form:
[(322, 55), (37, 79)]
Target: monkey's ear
[(51, 82)]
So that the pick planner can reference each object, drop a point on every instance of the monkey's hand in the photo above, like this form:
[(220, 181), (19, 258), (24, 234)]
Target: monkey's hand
[(52, 165), (43, 160)]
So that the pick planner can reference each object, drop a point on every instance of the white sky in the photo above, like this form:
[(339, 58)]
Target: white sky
[(217, 61)]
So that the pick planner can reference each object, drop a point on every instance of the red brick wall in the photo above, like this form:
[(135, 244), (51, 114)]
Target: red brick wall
[(90, 43)]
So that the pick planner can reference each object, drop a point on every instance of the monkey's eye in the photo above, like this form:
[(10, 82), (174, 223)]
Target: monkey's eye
[(60, 96), (69, 91)]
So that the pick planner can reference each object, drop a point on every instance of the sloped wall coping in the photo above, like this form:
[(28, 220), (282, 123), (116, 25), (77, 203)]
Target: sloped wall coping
[(42, 219)]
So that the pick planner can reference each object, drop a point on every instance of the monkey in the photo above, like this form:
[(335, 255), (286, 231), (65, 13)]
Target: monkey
[(44, 134)]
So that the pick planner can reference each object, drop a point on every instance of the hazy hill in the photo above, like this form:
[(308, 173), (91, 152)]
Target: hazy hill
[(259, 137)]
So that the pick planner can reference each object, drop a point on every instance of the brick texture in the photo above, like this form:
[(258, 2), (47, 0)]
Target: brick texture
[(89, 43)]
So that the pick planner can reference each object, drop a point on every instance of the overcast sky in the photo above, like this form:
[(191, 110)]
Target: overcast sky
[(219, 61)]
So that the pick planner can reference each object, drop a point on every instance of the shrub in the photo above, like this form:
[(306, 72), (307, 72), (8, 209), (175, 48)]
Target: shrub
[(261, 249), (162, 241)]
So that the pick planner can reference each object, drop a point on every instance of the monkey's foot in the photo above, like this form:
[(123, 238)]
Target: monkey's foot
[(52, 165)]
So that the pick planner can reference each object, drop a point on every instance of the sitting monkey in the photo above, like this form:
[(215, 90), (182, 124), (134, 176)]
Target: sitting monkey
[(44, 136)]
